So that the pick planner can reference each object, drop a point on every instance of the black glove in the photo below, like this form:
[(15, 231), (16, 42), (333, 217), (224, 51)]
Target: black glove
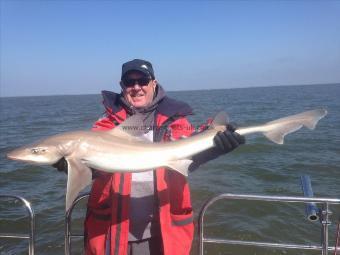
[(228, 140), (61, 165), (224, 142)]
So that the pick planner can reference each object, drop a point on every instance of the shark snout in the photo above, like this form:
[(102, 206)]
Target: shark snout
[(15, 155), (11, 155)]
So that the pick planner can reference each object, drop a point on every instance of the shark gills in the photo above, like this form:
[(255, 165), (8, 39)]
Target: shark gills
[(123, 150)]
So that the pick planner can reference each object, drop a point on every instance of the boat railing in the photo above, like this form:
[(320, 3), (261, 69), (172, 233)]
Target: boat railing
[(31, 225), (323, 214), (68, 226), (324, 220)]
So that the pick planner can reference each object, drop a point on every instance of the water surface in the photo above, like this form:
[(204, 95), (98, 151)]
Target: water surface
[(260, 167)]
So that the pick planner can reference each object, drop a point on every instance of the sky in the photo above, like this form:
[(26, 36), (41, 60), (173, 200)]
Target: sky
[(77, 47)]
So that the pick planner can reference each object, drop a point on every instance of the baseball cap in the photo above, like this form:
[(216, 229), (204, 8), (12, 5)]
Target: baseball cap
[(138, 65)]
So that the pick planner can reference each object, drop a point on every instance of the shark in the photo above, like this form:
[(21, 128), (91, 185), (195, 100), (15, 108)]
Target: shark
[(123, 149)]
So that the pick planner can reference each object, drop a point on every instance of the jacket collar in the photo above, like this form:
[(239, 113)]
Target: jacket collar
[(166, 106)]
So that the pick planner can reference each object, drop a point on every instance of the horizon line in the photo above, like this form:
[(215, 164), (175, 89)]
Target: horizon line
[(186, 90)]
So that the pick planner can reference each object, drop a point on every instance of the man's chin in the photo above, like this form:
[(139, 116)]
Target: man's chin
[(138, 103)]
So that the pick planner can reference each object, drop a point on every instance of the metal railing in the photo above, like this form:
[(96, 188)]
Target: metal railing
[(324, 214), (68, 228), (324, 219), (30, 236)]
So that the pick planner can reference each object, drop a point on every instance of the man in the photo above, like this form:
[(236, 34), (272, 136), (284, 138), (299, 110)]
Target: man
[(149, 212)]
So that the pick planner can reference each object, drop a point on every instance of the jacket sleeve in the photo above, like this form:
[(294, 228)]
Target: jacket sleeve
[(204, 156), (182, 128), (103, 123)]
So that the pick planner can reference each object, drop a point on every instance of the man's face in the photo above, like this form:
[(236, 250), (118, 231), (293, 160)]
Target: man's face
[(138, 89)]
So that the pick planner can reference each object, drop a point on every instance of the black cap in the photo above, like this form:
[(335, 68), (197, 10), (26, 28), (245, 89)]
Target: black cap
[(138, 65)]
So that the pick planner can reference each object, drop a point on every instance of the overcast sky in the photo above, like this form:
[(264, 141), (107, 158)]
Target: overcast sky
[(78, 47)]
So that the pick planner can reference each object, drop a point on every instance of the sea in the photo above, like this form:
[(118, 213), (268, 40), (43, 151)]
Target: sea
[(259, 167)]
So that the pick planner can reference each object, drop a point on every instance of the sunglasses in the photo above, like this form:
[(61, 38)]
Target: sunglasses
[(141, 82)]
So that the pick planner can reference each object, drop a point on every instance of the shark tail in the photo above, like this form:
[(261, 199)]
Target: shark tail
[(276, 130)]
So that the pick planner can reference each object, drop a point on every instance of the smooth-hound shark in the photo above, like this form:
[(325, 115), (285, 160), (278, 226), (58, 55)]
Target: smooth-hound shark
[(122, 150)]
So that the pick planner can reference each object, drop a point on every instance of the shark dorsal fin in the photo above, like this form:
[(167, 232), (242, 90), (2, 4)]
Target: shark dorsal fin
[(131, 129), (220, 121)]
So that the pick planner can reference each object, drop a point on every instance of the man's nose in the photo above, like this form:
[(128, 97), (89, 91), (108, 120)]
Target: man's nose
[(136, 85)]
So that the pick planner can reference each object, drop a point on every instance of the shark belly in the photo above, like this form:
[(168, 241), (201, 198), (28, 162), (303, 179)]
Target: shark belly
[(125, 163)]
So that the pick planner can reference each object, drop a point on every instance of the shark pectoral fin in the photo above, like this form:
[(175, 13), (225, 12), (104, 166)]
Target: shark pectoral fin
[(79, 176), (180, 166)]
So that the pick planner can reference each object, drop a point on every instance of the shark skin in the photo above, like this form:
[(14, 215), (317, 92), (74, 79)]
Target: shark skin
[(123, 150)]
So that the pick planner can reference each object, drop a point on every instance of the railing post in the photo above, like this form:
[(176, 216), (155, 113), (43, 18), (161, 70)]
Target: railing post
[(325, 222), (31, 235), (67, 231), (32, 225), (68, 225)]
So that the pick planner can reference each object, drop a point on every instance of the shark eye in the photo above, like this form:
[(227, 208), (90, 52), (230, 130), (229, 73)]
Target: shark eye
[(38, 150)]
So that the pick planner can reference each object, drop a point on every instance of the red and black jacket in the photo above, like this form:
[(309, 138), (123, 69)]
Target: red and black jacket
[(108, 205)]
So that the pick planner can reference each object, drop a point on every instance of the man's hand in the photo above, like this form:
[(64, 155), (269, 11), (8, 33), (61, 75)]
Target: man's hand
[(61, 165), (228, 140)]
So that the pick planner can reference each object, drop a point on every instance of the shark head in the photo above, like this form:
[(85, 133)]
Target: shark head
[(41, 153)]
